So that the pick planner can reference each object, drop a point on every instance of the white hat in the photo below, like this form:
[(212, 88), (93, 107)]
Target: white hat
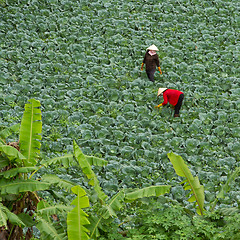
[(161, 90), (153, 47)]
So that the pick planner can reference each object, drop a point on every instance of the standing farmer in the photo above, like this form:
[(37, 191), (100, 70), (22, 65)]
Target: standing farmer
[(151, 60), (174, 97)]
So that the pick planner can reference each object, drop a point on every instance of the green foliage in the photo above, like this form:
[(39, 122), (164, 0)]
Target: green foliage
[(48, 231), (77, 218), (12, 154), (66, 160), (59, 53), (148, 192), (18, 183), (87, 170), (162, 221), (225, 188), (109, 207), (5, 215), (30, 132), (108, 210), (19, 186), (18, 192), (191, 183), (6, 132)]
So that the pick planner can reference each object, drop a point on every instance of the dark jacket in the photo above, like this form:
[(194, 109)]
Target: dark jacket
[(151, 61)]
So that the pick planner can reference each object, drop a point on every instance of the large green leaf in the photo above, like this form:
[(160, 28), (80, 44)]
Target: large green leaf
[(8, 131), (53, 179), (12, 154), (87, 170), (148, 192), (5, 215), (15, 171), (30, 132), (226, 186), (27, 219), (96, 161), (45, 209), (191, 183), (19, 185), (3, 162), (66, 160), (49, 231), (77, 218), (108, 210)]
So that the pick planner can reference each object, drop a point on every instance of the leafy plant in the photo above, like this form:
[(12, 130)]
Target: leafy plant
[(20, 201), (191, 183), (59, 54), (225, 188), (164, 221), (18, 193), (107, 210), (77, 217)]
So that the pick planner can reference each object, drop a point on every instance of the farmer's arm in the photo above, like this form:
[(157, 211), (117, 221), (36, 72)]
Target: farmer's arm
[(165, 98), (158, 64), (164, 102)]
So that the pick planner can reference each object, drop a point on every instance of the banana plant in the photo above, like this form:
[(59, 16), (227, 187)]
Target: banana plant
[(18, 165), (109, 207), (190, 183), (225, 188)]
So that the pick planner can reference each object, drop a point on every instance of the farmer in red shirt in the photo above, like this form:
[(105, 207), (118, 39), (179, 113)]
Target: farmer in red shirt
[(174, 97)]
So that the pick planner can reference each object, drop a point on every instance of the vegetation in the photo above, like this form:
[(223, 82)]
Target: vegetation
[(81, 60), (22, 207)]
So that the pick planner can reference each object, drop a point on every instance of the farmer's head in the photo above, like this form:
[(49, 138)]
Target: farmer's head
[(160, 91)]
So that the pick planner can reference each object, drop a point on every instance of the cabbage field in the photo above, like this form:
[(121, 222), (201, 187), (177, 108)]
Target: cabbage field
[(81, 59)]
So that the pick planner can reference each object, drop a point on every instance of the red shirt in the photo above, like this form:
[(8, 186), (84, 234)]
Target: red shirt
[(171, 96)]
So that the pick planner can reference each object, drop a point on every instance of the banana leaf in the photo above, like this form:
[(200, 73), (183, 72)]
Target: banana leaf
[(191, 183), (53, 179), (96, 161), (15, 171), (13, 154), (148, 192), (5, 215), (87, 170), (108, 210), (48, 210), (48, 230), (66, 160), (19, 185), (77, 218), (30, 132)]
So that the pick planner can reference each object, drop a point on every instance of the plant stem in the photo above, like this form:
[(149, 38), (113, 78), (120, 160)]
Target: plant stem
[(35, 171), (9, 237)]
